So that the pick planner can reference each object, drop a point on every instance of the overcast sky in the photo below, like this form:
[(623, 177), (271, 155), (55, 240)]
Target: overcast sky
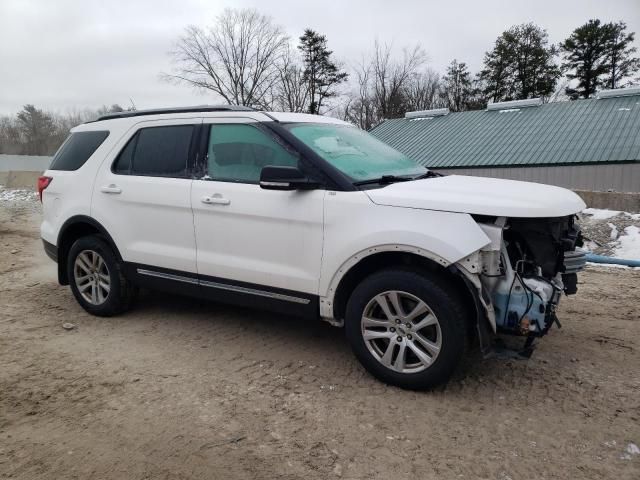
[(63, 55)]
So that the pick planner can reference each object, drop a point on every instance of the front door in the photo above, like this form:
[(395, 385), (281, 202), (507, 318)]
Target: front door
[(265, 243)]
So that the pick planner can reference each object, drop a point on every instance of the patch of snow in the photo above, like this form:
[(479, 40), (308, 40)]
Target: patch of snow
[(629, 244), (11, 195), (601, 214), (614, 231)]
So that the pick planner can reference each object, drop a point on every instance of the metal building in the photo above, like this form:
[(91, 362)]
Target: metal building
[(589, 144)]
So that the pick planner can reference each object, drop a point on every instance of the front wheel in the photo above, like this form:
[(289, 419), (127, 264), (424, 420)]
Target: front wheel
[(406, 328)]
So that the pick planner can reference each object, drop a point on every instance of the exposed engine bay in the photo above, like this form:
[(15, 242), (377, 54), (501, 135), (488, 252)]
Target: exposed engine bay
[(537, 260)]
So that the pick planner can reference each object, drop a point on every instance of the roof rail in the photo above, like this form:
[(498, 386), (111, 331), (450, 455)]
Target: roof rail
[(619, 92), (436, 112), (529, 102), (158, 111)]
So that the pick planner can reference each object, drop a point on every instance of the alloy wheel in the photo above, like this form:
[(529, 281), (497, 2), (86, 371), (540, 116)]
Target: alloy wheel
[(401, 331), (92, 277)]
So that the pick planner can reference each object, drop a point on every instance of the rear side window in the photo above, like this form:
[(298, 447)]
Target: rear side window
[(157, 152), (77, 149)]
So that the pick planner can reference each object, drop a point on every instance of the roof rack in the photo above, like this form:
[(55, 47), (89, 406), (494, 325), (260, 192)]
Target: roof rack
[(158, 111)]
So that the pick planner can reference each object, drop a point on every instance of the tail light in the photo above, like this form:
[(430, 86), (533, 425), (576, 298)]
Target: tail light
[(43, 183)]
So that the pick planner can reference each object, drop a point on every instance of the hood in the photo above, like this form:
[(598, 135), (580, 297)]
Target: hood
[(480, 196)]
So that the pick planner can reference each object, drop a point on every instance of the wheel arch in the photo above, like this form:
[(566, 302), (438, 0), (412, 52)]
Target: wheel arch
[(74, 228), (363, 264)]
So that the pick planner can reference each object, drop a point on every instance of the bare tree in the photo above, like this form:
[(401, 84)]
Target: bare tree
[(423, 91), (290, 91), (390, 77), (360, 108), (387, 88), (236, 58)]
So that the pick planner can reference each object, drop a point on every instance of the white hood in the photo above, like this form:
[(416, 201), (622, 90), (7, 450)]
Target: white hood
[(481, 196)]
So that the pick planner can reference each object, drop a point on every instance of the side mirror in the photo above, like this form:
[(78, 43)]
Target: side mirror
[(285, 178)]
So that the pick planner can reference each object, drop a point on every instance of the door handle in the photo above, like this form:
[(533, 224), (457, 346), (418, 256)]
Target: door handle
[(215, 199), (112, 188)]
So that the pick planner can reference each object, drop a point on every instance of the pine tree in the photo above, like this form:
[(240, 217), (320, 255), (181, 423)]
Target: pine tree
[(497, 72), (37, 128), (521, 65), (620, 60), (321, 74), (585, 58), (457, 87)]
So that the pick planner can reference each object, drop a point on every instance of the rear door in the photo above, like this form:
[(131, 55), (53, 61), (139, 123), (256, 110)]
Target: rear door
[(142, 195)]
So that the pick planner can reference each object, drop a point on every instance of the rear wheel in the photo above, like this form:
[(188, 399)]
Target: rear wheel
[(95, 278), (406, 328)]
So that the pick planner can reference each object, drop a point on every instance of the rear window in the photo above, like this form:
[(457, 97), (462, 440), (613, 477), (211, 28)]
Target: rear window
[(156, 151), (77, 149)]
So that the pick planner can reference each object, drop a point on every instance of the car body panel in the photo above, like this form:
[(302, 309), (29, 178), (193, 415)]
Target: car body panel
[(266, 237), (354, 227), (150, 220), (480, 196)]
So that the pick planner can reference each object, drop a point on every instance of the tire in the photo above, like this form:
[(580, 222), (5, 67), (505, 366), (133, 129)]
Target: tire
[(96, 278), (432, 343)]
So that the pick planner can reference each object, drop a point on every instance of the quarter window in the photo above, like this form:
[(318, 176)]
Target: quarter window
[(77, 149), (156, 151), (237, 153)]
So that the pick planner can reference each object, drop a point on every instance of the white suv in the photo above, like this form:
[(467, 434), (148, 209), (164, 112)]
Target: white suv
[(307, 215)]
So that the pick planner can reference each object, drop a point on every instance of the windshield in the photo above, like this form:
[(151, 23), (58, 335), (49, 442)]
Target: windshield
[(356, 153)]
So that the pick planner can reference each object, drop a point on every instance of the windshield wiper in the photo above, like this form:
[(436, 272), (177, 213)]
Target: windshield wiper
[(428, 174), (383, 180)]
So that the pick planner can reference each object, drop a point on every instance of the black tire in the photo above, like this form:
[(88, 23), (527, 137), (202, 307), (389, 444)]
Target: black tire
[(443, 302), (121, 293)]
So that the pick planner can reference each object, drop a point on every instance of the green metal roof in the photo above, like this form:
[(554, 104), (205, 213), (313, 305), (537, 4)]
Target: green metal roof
[(581, 131)]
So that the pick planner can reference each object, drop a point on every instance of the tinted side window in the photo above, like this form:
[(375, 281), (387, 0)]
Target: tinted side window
[(77, 149), (156, 151), (238, 152), (123, 163)]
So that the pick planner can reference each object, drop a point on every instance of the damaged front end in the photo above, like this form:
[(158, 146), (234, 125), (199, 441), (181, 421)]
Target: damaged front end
[(525, 270)]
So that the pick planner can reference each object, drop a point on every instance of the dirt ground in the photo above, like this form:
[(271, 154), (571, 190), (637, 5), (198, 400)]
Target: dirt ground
[(182, 389)]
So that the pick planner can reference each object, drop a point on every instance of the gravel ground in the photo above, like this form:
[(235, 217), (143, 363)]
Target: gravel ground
[(180, 389)]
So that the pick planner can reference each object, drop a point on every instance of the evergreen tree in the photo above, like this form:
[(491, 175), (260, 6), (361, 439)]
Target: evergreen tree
[(521, 65), (585, 58), (457, 87), (38, 130), (620, 60), (321, 74), (496, 76)]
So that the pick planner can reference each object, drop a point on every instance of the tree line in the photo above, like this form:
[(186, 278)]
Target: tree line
[(33, 131), (245, 58)]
